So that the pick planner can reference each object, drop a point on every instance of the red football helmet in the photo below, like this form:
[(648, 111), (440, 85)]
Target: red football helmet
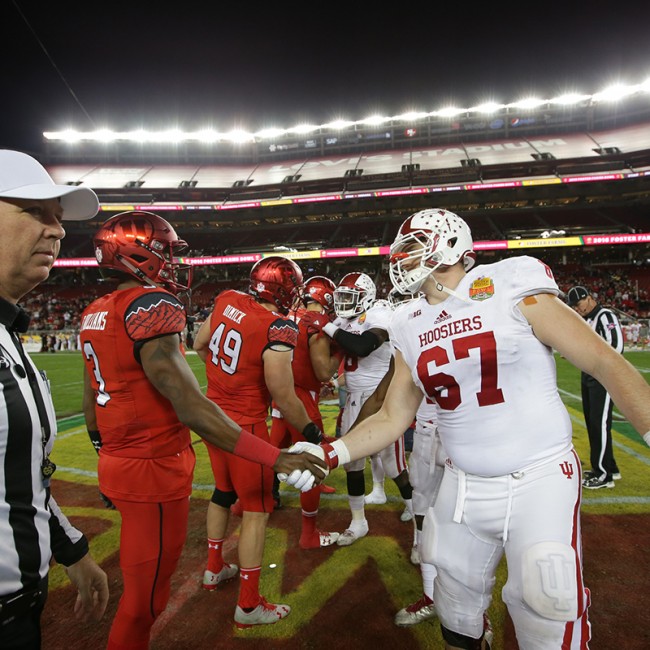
[(143, 245), (321, 290), (277, 280)]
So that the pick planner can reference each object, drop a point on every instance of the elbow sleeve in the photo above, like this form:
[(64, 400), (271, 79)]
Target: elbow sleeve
[(359, 344)]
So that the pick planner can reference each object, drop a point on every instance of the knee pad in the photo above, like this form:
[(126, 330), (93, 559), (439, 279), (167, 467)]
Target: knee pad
[(356, 484), (223, 499), (460, 640), (549, 581)]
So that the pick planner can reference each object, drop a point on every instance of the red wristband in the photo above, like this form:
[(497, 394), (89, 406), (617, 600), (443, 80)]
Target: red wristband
[(331, 457), (255, 449)]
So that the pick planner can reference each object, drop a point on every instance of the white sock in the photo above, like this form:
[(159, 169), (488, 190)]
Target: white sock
[(429, 574)]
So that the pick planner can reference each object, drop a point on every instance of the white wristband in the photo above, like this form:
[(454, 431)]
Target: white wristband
[(330, 329), (341, 451), (646, 437)]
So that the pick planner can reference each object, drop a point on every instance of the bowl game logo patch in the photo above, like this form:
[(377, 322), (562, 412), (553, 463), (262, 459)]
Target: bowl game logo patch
[(481, 289)]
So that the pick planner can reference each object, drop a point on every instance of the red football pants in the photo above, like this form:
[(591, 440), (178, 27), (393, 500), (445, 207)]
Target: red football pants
[(151, 542)]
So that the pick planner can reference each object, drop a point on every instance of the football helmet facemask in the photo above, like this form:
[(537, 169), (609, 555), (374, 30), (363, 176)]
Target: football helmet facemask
[(321, 290), (354, 295), (277, 280), (397, 297), (144, 246), (426, 241)]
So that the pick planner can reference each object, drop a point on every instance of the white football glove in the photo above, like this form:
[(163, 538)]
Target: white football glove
[(303, 481)]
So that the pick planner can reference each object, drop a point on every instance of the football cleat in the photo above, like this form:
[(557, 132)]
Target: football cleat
[(318, 539), (326, 489), (617, 476), (212, 580), (351, 535), (596, 483), (421, 610), (376, 497), (264, 614), (407, 515)]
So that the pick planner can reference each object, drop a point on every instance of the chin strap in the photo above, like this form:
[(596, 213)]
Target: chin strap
[(451, 292)]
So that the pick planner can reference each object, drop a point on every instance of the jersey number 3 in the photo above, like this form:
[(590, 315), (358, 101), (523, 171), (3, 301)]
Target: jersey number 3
[(444, 388)]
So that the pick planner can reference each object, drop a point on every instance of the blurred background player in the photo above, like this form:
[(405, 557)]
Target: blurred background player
[(597, 405), (361, 330), (140, 401), (247, 343), (313, 364)]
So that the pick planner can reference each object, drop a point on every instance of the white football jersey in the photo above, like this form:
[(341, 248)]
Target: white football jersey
[(427, 414), (365, 373), (499, 410)]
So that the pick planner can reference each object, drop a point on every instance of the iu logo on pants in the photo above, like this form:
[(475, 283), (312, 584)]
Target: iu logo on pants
[(567, 469)]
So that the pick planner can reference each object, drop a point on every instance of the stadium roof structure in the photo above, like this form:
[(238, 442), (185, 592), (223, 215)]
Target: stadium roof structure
[(513, 172)]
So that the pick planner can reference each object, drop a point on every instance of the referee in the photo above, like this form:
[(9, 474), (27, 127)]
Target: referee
[(32, 527), (597, 405)]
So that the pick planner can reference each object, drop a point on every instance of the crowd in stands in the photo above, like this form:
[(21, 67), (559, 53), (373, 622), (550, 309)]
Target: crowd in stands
[(619, 281)]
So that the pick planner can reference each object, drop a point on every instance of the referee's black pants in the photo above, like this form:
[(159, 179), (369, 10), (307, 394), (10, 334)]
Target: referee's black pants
[(597, 408), (20, 618)]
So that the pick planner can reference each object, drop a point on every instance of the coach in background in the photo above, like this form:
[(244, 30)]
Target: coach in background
[(32, 527), (597, 405)]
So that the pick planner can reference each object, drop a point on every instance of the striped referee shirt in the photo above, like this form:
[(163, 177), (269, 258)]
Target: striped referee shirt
[(32, 527), (606, 324)]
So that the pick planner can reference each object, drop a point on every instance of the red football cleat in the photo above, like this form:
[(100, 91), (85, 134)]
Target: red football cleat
[(326, 489)]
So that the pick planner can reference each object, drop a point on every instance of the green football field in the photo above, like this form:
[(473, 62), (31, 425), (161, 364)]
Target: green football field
[(74, 454), (77, 464)]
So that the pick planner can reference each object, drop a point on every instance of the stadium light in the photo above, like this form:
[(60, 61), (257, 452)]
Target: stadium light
[(528, 103), (451, 111), (569, 99), (615, 92), (339, 125), (487, 108), (374, 120)]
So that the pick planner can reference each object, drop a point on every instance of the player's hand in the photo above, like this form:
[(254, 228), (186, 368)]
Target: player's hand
[(301, 470), (314, 322)]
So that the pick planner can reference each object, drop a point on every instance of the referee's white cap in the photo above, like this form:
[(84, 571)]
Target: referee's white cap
[(23, 177)]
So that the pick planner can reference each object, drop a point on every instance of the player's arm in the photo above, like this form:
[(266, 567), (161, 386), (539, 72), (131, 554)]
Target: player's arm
[(559, 327), (324, 363), (361, 345), (278, 376), (167, 369), (202, 339), (399, 408), (88, 407), (376, 400)]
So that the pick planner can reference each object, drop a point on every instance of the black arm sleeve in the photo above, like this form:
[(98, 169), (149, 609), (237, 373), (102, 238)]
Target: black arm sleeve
[(359, 344), (95, 438)]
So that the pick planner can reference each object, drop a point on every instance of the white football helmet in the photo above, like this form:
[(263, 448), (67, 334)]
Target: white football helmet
[(354, 295), (397, 297), (433, 238)]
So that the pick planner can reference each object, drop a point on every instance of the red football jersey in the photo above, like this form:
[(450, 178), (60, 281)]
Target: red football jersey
[(134, 419), (241, 330), (309, 323)]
